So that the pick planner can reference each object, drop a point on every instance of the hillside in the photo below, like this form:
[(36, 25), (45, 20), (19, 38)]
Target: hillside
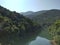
[(46, 19), (54, 31), (48, 16), (31, 14), (13, 26), (27, 13)]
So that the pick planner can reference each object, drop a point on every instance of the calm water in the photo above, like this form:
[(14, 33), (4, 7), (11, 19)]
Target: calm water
[(39, 41), (32, 39)]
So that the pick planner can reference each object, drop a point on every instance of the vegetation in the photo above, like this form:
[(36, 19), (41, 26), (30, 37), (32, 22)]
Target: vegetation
[(54, 31), (46, 17), (13, 26), (50, 22)]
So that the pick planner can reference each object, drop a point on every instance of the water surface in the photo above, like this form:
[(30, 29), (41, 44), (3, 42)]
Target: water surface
[(40, 41)]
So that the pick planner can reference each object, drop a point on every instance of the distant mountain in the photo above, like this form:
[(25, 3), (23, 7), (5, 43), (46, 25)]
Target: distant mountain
[(48, 16), (27, 13), (31, 14)]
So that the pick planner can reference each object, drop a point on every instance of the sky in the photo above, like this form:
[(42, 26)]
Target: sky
[(30, 5)]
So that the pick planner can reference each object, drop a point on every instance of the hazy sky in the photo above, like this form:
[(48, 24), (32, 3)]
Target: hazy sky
[(30, 5)]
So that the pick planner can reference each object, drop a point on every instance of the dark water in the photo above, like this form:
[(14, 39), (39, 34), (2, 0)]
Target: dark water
[(35, 40), (32, 39)]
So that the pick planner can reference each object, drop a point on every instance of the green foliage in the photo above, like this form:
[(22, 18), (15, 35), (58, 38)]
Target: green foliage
[(46, 17), (14, 25), (54, 31)]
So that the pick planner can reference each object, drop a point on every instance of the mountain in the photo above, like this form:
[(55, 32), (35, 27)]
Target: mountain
[(31, 14), (48, 16), (46, 19), (13, 26), (27, 13)]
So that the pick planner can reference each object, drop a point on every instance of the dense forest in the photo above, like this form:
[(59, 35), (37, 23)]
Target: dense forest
[(14, 26), (45, 16)]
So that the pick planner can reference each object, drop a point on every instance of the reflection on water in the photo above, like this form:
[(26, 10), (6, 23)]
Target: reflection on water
[(29, 39), (40, 41)]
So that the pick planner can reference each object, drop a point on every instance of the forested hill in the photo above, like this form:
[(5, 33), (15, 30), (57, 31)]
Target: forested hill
[(47, 17), (13, 23), (31, 14)]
